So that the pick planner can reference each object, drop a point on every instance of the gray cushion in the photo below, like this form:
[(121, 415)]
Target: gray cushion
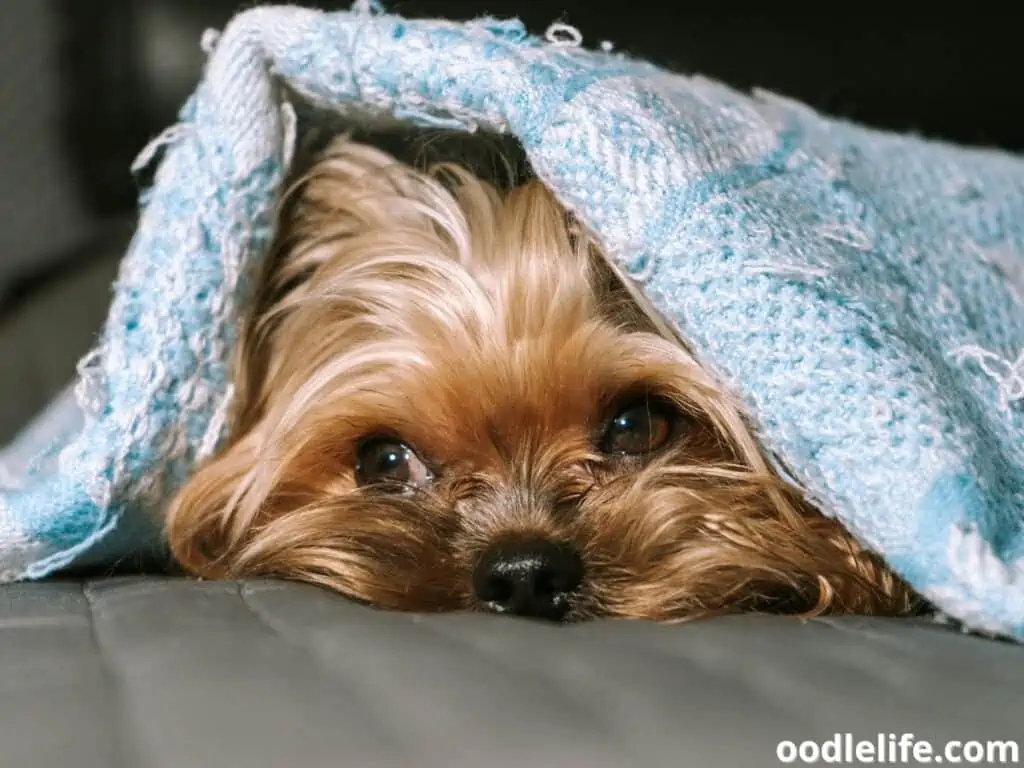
[(165, 672)]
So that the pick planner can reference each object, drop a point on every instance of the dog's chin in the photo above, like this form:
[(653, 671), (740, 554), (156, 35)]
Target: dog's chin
[(447, 400)]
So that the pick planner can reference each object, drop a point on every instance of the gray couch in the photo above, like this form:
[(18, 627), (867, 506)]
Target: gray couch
[(147, 671), (165, 672)]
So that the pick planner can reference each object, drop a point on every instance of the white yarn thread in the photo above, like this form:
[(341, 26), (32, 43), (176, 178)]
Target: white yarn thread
[(166, 137), (564, 35), (1008, 376), (290, 129), (779, 268), (208, 41)]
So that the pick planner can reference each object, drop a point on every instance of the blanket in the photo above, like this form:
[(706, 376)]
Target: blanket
[(861, 292)]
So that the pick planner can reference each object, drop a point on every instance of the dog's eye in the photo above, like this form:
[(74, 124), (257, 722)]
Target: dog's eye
[(639, 428), (383, 461)]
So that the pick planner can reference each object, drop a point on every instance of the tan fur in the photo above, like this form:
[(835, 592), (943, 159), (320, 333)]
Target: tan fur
[(487, 331)]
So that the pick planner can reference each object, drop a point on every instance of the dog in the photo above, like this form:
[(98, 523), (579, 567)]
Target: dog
[(448, 398)]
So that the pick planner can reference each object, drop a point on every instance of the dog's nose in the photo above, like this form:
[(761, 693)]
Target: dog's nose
[(533, 578)]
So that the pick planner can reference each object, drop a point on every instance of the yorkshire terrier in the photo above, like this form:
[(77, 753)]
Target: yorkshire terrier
[(448, 398)]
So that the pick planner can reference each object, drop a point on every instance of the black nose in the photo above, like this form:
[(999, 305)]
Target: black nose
[(532, 578)]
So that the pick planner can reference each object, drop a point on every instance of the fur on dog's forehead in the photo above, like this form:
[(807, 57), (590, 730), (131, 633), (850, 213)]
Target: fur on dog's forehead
[(460, 392), (453, 318)]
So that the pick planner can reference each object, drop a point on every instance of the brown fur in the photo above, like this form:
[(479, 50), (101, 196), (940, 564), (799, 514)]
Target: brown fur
[(488, 332)]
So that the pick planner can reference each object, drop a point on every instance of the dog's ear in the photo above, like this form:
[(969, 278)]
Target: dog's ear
[(200, 525), (197, 525), (208, 524)]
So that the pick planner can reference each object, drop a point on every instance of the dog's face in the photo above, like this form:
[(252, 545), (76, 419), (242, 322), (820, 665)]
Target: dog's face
[(448, 401)]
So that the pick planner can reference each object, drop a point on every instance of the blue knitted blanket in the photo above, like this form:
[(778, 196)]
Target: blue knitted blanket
[(860, 291)]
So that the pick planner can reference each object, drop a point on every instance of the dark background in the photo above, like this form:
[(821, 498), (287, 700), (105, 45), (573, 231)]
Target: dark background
[(85, 84), (953, 76)]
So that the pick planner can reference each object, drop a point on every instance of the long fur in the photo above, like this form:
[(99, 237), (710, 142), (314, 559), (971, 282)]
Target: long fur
[(487, 330)]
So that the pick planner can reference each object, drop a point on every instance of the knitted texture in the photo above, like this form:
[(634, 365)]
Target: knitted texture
[(860, 291)]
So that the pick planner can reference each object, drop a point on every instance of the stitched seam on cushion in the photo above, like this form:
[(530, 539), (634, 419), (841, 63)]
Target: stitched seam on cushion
[(113, 684), (310, 649), (148, 586), (310, 653)]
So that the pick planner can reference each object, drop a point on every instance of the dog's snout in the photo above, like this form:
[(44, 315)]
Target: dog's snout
[(533, 578)]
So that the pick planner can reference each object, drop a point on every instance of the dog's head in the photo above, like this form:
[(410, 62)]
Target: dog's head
[(448, 400)]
